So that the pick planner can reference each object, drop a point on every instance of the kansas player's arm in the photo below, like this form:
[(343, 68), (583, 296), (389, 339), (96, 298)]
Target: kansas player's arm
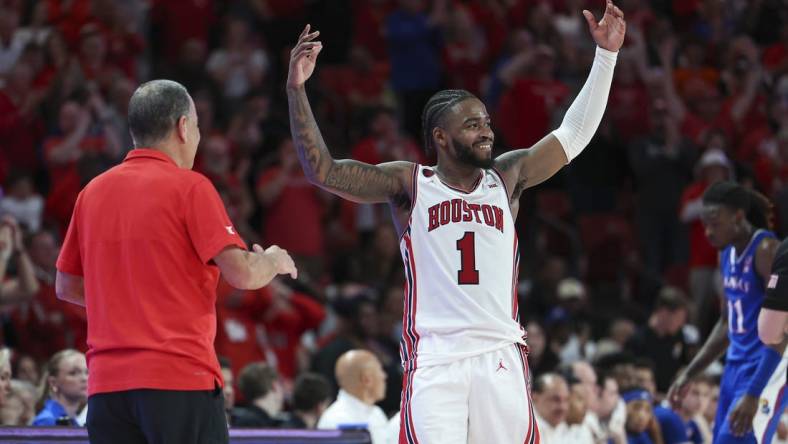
[(712, 349), (350, 179), (525, 168), (769, 357)]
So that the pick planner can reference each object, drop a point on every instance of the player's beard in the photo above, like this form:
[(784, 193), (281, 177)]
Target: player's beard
[(467, 155)]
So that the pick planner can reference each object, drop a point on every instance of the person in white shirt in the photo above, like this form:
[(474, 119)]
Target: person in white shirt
[(362, 383), (610, 412), (551, 401)]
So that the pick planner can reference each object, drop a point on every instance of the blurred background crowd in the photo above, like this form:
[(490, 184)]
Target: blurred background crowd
[(615, 269)]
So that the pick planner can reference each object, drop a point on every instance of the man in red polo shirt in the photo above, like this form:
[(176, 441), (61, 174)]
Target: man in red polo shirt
[(143, 253)]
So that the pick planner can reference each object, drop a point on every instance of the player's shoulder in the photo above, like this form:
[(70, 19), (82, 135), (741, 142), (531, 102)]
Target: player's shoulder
[(767, 244), (400, 167)]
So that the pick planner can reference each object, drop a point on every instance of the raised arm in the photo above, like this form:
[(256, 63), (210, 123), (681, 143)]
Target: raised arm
[(353, 180), (528, 167)]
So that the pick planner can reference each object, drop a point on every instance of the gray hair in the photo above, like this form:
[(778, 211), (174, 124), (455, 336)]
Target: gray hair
[(154, 111)]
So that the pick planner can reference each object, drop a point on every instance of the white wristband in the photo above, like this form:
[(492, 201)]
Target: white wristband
[(583, 116)]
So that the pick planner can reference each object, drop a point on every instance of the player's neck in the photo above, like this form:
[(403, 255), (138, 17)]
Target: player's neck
[(741, 242), (459, 176)]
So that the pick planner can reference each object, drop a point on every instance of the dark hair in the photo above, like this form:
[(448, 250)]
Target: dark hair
[(671, 298), (435, 108), (225, 362), (17, 175), (256, 380), (154, 110), (758, 209), (309, 390), (644, 363), (567, 371)]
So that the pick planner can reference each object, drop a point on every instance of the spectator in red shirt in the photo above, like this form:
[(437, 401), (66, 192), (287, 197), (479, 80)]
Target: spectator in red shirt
[(124, 43), (465, 52), (143, 254), (78, 150), (23, 286), (369, 24), (526, 110), (21, 128), (293, 211), (264, 325), (78, 137), (712, 167), (176, 22), (237, 335), (46, 324)]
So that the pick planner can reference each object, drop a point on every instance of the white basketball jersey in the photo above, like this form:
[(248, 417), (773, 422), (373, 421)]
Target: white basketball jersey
[(461, 259)]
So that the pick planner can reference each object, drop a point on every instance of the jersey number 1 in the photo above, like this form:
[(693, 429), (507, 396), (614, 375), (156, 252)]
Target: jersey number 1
[(736, 317), (468, 274)]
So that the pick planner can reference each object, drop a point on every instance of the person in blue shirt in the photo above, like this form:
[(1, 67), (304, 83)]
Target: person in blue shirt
[(64, 389), (672, 428), (640, 415), (737, 222)]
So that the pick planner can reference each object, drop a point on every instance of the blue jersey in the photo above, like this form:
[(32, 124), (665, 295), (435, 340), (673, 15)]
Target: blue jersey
[(744, 293)]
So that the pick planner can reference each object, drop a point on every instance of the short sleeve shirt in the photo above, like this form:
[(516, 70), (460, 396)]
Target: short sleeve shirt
[(777, 286), (143, 235)]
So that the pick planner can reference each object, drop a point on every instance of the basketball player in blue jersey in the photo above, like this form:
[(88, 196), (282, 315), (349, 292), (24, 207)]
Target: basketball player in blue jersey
[(751, 399), (466, 376)]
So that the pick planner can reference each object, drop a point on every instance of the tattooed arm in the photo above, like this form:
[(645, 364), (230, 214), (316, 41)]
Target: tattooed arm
[(353, 180)]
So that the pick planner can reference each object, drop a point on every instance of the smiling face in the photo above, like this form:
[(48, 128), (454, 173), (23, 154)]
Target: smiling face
[(465, 134)]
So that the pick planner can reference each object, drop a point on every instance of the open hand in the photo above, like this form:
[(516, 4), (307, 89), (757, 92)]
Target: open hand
[(303, 58), (283, 263), (609, 32)]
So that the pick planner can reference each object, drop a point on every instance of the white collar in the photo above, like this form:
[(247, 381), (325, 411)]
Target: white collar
[(346, 398)]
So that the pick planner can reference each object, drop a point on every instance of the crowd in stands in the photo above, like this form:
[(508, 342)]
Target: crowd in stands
[(616, 274)]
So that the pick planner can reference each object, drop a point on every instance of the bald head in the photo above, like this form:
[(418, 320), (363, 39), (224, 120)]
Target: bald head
[(360, 373)]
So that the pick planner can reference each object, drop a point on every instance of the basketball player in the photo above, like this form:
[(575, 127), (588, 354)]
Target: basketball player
[(751, 402), (462, 349)]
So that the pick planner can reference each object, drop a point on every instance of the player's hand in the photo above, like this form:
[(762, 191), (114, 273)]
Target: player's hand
[(678, 390), (303, 58), (609, 32), (741, 417), (283, 263)]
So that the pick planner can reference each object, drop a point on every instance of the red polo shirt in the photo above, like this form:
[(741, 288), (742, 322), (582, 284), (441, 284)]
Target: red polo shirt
[(143, 235)]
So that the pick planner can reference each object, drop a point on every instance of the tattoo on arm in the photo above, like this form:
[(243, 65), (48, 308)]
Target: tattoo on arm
[(350, 179), (510, 166), (362, 180), (310, 146)]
